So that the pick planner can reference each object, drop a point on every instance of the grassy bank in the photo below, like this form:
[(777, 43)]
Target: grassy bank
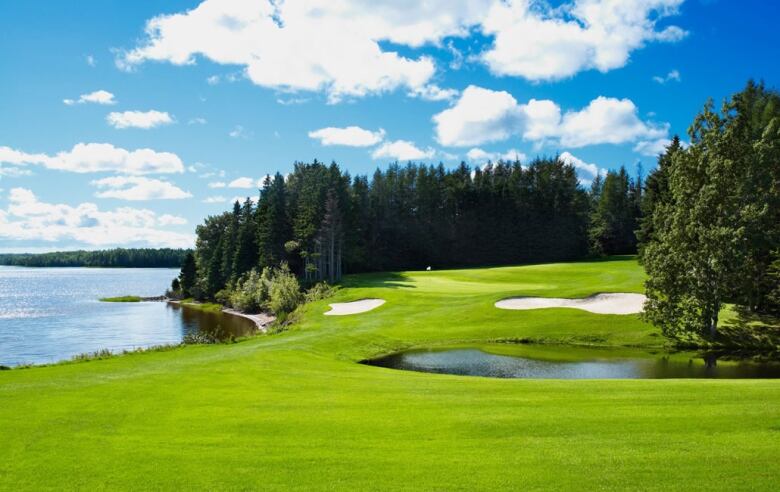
[(121, 299), (295, 410)]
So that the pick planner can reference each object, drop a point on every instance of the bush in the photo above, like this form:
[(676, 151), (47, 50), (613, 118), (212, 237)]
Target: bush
[(318, 291), (251, 293), (285, 291)]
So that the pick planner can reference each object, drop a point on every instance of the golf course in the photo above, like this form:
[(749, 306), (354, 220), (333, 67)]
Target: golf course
[(297, 409)]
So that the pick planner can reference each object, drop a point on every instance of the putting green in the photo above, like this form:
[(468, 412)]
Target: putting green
[(295, 410)]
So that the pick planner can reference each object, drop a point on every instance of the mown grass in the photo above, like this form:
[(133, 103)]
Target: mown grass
[(121, 299), (296, 410)]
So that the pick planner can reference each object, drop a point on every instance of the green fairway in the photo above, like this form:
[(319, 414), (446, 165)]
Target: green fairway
[(296, 411)]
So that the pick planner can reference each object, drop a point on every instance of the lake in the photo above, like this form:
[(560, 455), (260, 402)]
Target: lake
[(52, 314), (534, 362)]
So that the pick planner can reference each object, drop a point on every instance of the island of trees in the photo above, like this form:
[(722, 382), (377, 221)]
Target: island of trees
[(119, 257), (706, 222)]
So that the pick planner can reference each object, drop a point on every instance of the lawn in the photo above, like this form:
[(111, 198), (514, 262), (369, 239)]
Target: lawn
[(296, 410)]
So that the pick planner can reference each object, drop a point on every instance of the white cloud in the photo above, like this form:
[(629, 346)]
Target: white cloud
[(482, 115), (197, 121), (244, 182), (91, 61), (139, 119), (652, 148), (215, 199), (217, 184), (167, 219), (28, 219), (136, 188), (538, 42), (585, 171), (478, 155), (239, 131), (14, 172), (351, 136), (433, 92), (672, 76), (98, 157), (479, 116), (402, 150), (274, 41), (97, 97)]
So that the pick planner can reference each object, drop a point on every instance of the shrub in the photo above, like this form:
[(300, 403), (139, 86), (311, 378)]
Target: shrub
[(251, 293), (284, 294), (318, 291)]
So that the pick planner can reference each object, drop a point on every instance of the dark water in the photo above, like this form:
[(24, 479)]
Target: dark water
[(600, 365), (52, 314)]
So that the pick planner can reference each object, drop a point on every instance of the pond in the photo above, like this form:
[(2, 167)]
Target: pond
[(52, 314), (535, 362)]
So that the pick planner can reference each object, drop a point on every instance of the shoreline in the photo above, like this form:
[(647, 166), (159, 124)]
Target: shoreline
[(261, 320)]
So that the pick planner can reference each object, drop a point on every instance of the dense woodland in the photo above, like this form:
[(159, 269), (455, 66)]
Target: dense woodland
[(322, 222), (706, 221), (120, 257)]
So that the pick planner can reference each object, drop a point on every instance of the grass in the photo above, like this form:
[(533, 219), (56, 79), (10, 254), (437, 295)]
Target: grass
[(295, 410), (121, 299)]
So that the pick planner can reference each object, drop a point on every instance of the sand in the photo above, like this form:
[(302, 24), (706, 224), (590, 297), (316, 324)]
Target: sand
[(354, 307), (600, 303)]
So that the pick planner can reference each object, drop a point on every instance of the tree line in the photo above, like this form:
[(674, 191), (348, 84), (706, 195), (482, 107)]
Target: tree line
[(321, 222), (119, 257)]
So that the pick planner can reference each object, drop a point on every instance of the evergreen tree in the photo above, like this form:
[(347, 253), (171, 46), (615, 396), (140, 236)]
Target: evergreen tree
[(245, 256), (188, 276)]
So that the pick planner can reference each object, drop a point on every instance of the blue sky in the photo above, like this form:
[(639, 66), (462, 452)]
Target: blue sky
[(125, 123)]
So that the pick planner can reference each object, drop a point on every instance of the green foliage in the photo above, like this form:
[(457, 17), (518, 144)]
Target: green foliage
[(119, 257), (188, 277), (121, 299), (319, 291), (284, 293), (714, 232), (251, 293), (616, 202)]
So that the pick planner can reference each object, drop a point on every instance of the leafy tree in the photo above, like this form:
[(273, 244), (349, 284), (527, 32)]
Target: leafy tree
[(712, 239)]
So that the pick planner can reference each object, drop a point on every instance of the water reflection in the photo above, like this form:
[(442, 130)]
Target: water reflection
[(599, 365), (217, 326)]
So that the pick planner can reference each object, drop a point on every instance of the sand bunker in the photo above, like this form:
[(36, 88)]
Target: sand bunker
[(354, 307), (599, 303)]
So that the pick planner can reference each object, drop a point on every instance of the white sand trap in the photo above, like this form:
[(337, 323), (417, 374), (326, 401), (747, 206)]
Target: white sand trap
[(599, 303), (354, 307)]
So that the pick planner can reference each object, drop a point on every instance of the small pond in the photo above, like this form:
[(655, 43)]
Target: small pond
[(535, 362)]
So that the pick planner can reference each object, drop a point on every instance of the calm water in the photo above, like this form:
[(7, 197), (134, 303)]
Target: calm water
[(600, 365), (51, 314)]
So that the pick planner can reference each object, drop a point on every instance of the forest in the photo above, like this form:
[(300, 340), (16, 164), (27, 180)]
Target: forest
[(118, 257), (705, 222)]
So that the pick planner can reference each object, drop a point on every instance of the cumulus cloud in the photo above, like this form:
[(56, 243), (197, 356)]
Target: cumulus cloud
[(652, 147), (273, 41), (479, 116), (478, 155), (351, 136), (27, 218), (98, 157), (217, 184), (585, 171), (482, 116), (97, 97), (167, 219), (136, 188), (538, 42), (402, 150), (139, 119), (673, 76)]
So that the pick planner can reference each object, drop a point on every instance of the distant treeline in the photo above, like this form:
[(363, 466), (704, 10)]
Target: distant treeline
[(120, 257), (321, 221)]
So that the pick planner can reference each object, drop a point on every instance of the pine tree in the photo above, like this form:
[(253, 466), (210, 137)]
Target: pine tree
[(188, 276)]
